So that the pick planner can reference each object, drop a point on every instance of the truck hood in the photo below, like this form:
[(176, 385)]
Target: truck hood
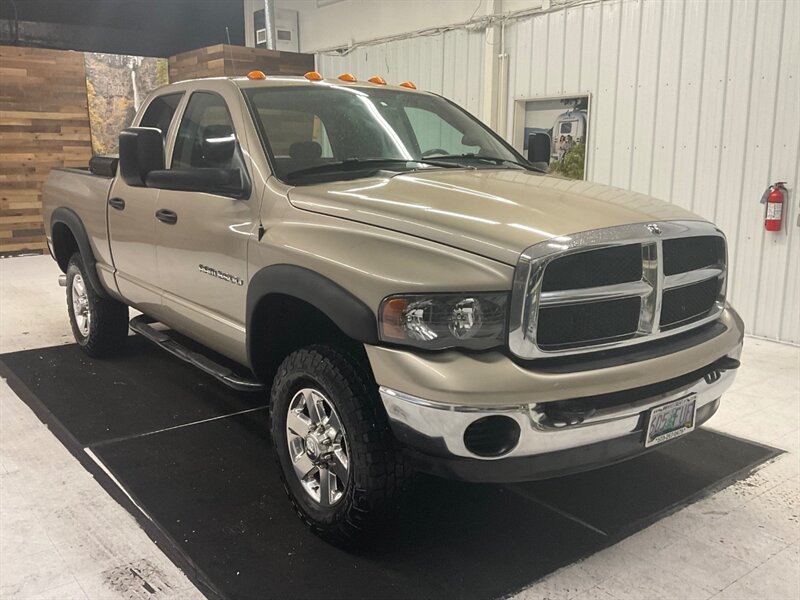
[(494, 213)]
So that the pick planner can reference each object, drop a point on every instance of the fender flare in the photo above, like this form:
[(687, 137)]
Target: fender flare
[(72, 221), (347, 312)]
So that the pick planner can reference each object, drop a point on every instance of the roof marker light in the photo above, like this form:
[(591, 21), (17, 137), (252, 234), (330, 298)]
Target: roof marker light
[(377, 80), (256, 75), (313, 76), (348, 77), (408, 84)]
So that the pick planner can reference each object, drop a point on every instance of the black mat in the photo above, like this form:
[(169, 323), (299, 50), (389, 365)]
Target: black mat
[(143, 389), (196, 458)]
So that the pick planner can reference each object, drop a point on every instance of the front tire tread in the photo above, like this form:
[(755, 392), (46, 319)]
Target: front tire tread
[(380, 475)]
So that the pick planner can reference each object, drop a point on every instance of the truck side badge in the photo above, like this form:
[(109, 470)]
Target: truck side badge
[(221, 275)]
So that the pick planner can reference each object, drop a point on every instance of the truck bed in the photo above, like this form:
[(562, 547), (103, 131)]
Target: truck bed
[(86, 194)]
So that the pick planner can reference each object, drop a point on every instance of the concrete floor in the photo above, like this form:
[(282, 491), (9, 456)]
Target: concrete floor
[(62, 536)]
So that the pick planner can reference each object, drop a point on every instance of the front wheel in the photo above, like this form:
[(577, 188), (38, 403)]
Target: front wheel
[(100, 325), (338, 459)]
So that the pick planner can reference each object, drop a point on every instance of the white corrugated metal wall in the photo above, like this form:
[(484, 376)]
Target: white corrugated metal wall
[(449, 63), (695, 102)]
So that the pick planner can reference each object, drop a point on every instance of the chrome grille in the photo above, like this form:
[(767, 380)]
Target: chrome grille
[(612, 287)]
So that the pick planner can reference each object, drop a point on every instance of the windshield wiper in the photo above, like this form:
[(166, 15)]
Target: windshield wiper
[(473, 156), (354, 164)]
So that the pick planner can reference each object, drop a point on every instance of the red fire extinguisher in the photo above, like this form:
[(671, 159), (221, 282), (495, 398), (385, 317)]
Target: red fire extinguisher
[(775, 195)]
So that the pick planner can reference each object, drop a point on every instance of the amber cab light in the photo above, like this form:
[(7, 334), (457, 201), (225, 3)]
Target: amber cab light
[(256, 75), (409, 85), (377, 80), (313, 76), (348, 77)]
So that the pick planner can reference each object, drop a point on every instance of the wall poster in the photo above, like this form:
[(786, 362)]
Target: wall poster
[(566, 121), (116, 85)]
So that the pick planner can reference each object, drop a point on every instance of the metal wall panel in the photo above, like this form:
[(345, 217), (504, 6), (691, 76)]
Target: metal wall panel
[(695, 102), (450, 64)]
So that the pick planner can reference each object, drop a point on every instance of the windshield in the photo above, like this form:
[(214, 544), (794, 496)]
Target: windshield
[(340, 132)]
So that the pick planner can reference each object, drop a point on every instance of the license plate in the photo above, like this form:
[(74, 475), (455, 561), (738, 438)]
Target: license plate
[(671, 420)]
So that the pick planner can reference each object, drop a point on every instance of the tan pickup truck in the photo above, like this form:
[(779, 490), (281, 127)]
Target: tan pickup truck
[(410, 291)]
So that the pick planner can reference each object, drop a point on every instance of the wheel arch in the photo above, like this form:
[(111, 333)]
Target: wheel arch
[(68, 236), (289, 307)]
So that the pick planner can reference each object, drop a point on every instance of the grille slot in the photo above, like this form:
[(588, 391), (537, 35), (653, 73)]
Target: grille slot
[(687, 254), (607, 266), (687, 303), (592, 323)]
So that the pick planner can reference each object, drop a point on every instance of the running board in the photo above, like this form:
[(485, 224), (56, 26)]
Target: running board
[(141, 325)]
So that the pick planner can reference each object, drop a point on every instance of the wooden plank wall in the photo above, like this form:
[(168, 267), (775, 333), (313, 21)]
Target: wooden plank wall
[(223, 60), (44, 123)]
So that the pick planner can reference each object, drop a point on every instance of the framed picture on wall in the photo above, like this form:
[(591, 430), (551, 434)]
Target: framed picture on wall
[(565, 120), (116, 86)]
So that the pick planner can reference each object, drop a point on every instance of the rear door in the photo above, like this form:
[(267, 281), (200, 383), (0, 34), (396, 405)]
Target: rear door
[(132, 224), (202, 246)]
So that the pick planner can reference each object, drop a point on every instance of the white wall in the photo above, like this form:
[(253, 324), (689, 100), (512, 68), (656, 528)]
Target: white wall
[(695, 102), (447, 64), (340, 23)]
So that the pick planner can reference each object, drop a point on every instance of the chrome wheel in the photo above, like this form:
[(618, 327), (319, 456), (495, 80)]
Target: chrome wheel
[(80, 305), (317, 446)]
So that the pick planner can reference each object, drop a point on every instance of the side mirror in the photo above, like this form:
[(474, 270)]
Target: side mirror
[(141, 150), (539, 148), (218, 145)]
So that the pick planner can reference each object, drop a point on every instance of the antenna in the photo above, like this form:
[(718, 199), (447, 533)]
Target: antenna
[(233, 60)]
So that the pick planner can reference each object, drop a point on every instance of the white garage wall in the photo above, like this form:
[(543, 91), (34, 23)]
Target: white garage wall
[(337, 24), (694, 102), (449, 64), (697, 103)]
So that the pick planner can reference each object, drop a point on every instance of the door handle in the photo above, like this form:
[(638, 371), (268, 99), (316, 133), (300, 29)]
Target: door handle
[(117, 203), (167, 216)]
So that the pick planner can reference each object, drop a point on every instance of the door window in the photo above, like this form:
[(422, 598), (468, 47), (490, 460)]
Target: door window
[(160, 112), (205, 135)]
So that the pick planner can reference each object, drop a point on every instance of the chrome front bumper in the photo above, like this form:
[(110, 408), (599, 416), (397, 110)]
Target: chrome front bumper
[(429, 425)]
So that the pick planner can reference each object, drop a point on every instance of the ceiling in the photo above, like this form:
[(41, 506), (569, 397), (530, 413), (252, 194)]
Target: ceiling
[(139, 27)]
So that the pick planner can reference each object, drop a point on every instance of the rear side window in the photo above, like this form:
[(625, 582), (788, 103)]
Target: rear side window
[(206, 125), (160, 112)]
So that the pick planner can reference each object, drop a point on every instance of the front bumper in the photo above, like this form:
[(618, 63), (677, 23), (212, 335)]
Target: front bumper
[(434, 433), (492, 379)]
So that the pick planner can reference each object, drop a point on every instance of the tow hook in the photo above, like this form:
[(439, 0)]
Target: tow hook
[(726, 363), (568, 413)]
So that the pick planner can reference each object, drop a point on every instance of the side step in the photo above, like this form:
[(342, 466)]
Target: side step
[(141, 325)]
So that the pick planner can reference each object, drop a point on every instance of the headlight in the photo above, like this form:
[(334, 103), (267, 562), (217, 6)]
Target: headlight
[(436, 321)]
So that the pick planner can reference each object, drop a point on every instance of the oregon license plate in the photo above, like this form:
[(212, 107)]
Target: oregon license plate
[(671, 420)]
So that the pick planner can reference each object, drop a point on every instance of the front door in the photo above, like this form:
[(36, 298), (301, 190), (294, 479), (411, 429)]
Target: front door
[(202, 237), (132, 224)]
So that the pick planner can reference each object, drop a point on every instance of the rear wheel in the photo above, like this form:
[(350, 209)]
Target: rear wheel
[(100, 325), (338, 459)]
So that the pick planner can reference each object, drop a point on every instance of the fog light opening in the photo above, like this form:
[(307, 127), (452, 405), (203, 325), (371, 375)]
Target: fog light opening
[(492, 436)]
